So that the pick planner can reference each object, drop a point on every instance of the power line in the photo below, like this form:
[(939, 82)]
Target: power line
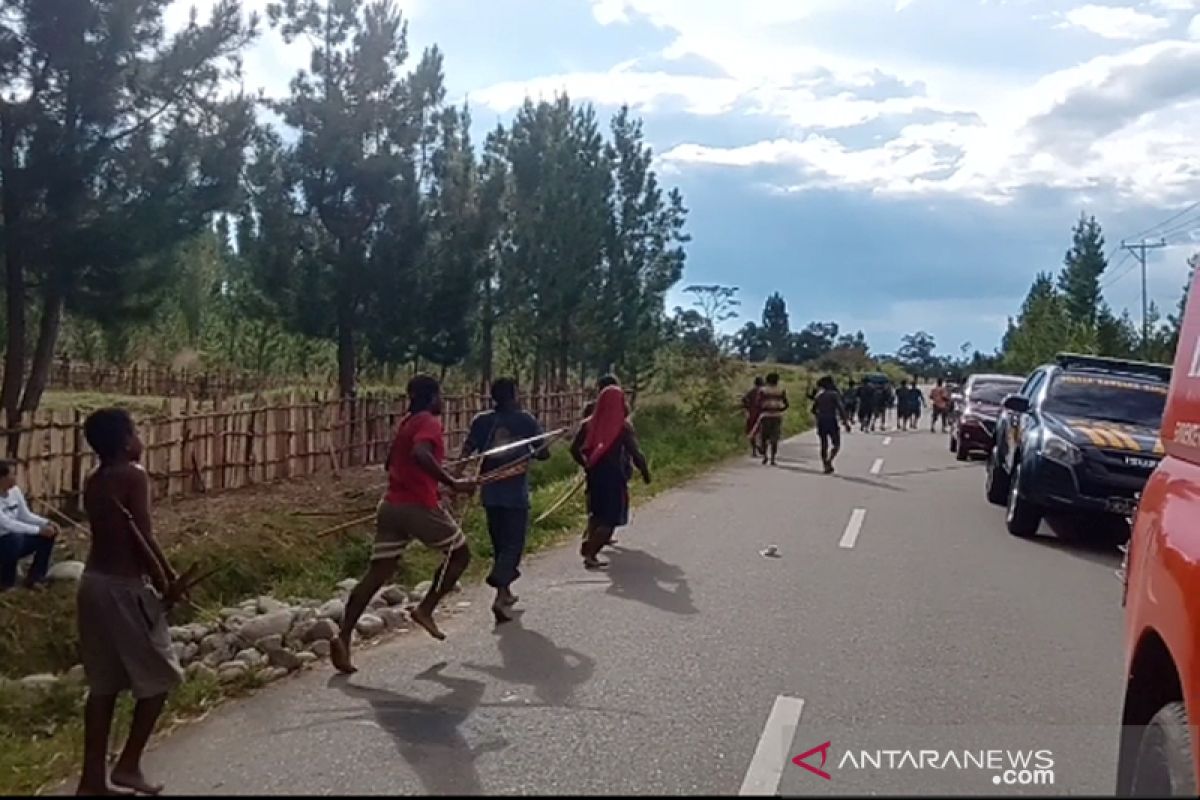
[(1167, 221), (1115, 276)]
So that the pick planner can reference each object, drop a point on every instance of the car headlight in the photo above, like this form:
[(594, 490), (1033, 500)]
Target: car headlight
[(1059, 449)]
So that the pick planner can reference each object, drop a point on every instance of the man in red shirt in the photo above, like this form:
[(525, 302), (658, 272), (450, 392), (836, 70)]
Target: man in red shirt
[(411, 510)]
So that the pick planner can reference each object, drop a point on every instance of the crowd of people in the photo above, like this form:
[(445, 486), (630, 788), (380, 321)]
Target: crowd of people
[(869, 402), (128, 586)]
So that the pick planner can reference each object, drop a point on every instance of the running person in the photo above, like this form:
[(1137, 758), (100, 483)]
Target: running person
[(411, 510), (866, 405), (939, 396), (601, 446), (774, 402), (830, 414), (505, 502)]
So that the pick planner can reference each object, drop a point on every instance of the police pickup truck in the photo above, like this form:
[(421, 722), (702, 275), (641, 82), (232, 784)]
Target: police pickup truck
[(1080, 436)]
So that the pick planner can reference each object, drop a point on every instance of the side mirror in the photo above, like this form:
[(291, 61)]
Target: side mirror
[(1016, 403)]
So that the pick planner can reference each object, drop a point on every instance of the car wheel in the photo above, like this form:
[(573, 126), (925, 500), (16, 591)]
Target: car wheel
[(1023, 518), (1163, 765), (961, 453), (997, 482), (953, 444)]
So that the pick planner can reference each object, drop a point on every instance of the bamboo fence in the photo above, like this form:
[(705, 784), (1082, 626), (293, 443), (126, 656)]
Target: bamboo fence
[(228, 445), (152, 380)]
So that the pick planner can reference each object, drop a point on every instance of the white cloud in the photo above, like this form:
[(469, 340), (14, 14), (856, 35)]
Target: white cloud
[(1176, 5), (1114, 22), (1194, 27)]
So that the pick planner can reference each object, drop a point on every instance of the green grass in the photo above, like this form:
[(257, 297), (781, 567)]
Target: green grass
[(279, 553)]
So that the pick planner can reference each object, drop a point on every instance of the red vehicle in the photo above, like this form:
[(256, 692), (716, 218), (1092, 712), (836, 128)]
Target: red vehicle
[(1159, 753), (974, 426)]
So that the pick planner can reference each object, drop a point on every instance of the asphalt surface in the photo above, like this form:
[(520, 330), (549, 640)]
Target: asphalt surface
[(935, 631)]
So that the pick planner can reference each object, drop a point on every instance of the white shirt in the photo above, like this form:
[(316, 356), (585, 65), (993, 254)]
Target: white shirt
[(15, 516)]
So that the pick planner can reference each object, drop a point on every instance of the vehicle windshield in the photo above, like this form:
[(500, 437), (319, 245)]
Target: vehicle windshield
[(993, 392), (1113, 400)]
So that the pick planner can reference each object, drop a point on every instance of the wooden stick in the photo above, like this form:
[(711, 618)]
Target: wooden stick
[(54, 511), (331, 513), (562, 501), (344, 526)]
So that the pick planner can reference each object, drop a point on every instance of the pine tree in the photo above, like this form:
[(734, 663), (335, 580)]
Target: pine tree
[(117, 147), (1079, 281), (776, 328), (1041, 330)]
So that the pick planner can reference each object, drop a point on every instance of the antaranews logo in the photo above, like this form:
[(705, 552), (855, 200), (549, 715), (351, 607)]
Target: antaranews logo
[(1007, 767)]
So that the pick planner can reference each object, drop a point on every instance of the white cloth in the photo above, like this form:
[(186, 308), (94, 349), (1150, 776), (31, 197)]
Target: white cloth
[(15, 516)]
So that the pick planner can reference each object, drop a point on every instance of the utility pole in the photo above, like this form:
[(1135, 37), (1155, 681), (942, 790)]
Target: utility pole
[(1139, 252)]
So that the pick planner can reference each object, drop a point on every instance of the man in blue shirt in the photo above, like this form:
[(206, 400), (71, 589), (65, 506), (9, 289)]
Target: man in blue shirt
[(506, 502)]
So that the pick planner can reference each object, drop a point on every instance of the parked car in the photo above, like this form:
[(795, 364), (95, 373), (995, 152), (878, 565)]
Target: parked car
[(1080, 436), (977, 408), (1158, 753)]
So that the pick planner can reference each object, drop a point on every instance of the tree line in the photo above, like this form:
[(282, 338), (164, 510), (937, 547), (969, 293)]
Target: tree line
[(148, 200), (1068, 312)]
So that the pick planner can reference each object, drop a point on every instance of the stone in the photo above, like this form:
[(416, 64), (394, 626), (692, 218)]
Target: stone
[(393, 595), (40, 682), (320, 648), (66, 571), (231, 671), (214, 643), (250, 657), (307, 658), (284, 659), (420, 590), (377, 603), (200, 671), (75, 674), (268, 605), (322, 631), (180, 634), (191, 651), (306, 614), (393, 617), (269, 643), (369, 625), (197, 631), (333, 610), (177, 649), (249, 605), (347, 585), (276, 623), (226, 613), (272, 674)]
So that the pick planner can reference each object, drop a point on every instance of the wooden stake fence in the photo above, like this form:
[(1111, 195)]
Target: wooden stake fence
[(229, 446)]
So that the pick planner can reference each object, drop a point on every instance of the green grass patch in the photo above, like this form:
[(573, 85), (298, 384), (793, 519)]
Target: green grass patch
[(274, 551)]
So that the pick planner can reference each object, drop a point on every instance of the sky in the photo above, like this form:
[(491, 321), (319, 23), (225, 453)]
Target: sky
[(891, 165)]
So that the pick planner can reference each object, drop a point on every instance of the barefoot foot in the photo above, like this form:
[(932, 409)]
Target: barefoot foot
[(135, 780), (501, 613), (339, 656), (425, 620)]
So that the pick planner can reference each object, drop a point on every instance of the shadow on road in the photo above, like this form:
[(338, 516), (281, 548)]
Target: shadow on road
[(792, 466), (1089, 539), (955, 467), (427, 733), (533, 659), (637, 575)]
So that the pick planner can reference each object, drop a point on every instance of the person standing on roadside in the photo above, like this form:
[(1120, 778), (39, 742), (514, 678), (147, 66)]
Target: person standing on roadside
[(505, 502), (773, 403), (752, 404), (411, 509)]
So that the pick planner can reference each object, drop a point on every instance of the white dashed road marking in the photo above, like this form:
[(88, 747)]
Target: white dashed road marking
[(887, 440), (877, 467), (774, 746), (853, 528)]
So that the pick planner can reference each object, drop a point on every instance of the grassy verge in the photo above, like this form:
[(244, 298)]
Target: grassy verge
[(263, 547)]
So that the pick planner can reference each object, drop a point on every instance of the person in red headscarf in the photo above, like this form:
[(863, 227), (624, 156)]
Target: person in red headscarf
[(601, 446)]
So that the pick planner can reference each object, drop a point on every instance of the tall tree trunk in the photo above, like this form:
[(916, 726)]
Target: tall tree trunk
[(43, 352), (488, 343), (14, 266)]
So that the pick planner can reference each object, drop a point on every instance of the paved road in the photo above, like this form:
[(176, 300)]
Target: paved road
[(683, 669)]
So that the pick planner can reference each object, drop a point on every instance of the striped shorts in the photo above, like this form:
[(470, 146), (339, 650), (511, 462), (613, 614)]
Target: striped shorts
[(396, 526)]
